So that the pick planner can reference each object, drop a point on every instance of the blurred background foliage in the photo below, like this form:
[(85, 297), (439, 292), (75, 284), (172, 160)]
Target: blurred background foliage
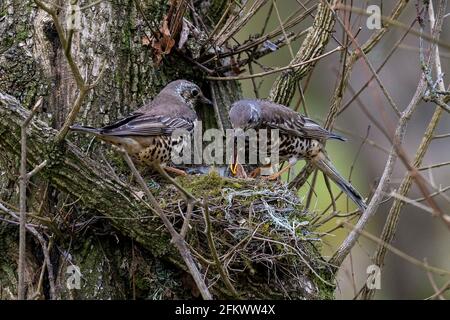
[(419, 234)]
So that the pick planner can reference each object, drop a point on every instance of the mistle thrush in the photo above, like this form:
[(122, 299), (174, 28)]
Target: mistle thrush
[(146, 134), (299, 138)]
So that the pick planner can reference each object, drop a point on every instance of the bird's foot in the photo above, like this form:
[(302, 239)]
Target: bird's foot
[(176, 171), (276, 175), (255, 173), (272, 177)]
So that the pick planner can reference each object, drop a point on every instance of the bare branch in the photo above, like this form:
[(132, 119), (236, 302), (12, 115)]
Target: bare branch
[(401, 254), (23, 201), (214, 254), (394, 213), (276, 70)]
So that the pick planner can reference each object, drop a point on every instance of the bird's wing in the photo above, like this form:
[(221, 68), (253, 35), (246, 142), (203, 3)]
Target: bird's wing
[(301, 126), (139, 124)]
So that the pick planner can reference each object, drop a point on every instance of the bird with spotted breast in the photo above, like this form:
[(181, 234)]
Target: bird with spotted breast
[(299, 138), (146, 134)]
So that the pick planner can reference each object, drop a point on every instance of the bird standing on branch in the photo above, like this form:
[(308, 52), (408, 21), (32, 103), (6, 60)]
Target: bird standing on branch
[(146, 134), (299, 138)]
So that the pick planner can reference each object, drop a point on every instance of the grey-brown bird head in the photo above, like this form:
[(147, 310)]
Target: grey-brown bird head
[(186, 92), (245, 114)]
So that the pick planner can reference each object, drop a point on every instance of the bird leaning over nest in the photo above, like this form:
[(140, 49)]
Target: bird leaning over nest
[(146, 134), (299, 138)]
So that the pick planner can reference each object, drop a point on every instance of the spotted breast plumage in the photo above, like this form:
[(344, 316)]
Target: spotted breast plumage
[(299, 138), (147, 134)]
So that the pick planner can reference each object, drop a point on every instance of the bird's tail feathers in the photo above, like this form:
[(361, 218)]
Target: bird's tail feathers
[(81, 128), (324, 164)]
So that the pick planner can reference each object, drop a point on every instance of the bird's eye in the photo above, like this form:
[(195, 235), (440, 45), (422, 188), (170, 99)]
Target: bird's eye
[(194, 92)]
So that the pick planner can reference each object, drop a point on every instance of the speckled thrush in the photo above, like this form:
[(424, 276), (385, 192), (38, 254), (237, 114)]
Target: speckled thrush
[(299, 138), (146, 133)]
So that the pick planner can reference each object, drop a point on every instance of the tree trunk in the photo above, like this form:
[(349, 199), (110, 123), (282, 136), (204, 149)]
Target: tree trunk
[(90, 218)]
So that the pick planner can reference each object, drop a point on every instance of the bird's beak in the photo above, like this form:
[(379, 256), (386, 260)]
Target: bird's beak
[(234, 160), (206, 101), (234, 165)]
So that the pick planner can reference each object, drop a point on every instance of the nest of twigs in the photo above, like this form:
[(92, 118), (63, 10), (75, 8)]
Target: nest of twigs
[(261, 232)]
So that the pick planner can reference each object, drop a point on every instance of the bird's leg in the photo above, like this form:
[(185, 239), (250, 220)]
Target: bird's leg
[(279, 173), (257, 172), (176, 171)]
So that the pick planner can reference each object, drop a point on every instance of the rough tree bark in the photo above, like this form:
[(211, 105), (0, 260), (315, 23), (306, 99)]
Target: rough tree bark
[(121, 257)]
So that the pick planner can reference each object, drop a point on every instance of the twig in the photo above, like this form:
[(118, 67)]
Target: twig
[(389, 20), (230, 29), (351, 239), (327, 184), (212, 248), (185, 226), (178, 241), (36, 169), (399, 253), (288, 42), (43, 268), (276, 70), (394, 213), (311, 190), (444, 288), (437, 165), (338, 93), (82, 85), (389, 55), (45, 250), (437, 291), (359, 49), (23, 201)]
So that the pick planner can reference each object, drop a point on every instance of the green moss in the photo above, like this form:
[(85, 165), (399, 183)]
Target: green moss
[(210, 185), (8, 268), (22, 33), (325, 291)]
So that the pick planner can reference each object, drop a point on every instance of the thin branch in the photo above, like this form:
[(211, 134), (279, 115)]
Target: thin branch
[(351, 239), (401, 254), (359, 49), (45, 250), (212, 248), (178, 241), (36, 169), (21, 287), (391, 224), (389, 55), (437, 291), (276, 70), (396, 23), (433, 166), (444, 288)]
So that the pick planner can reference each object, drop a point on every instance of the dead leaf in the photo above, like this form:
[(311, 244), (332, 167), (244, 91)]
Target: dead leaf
[(164, 44), (146, 41)]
